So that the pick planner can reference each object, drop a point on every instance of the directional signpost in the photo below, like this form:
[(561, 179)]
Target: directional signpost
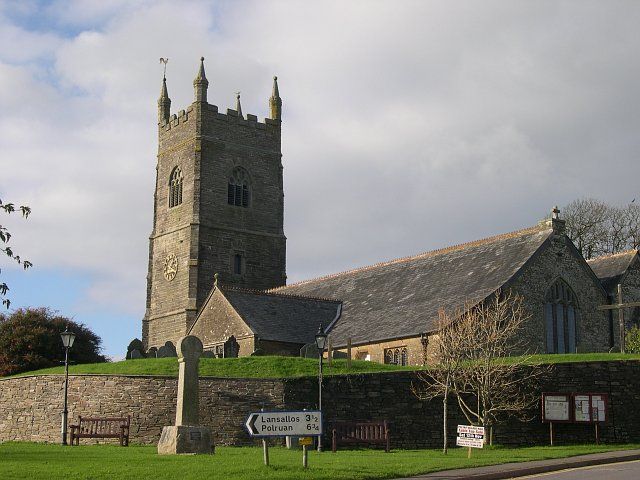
[(282, 424)]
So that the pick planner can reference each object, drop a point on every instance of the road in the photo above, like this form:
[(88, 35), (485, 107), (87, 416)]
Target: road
[(614, 471)]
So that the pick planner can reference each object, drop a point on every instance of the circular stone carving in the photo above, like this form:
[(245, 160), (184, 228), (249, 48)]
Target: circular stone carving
[(189, 346), (170, 266)]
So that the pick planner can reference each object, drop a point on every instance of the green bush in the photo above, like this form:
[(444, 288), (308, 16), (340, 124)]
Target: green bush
[(30, 339), (632, 340)]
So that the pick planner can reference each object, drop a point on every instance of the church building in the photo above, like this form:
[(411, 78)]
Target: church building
[(218, 208), (217, 266)]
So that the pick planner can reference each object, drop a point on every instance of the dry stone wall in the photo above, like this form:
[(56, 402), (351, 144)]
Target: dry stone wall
[(30, 407)]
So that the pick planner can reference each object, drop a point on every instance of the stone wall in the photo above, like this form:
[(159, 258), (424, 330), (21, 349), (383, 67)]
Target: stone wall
[(30, 407), (418, 424), (218, 321), (559, 260), (631, 293)]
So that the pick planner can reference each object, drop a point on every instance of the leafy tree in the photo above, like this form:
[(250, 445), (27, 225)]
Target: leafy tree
[(30, 339), (5, 248)]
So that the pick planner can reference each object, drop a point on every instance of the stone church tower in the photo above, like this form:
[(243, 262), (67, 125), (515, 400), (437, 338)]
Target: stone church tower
[(218, 208)]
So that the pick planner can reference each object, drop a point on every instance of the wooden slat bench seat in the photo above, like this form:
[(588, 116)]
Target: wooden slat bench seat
[(101, 427), (364, 433)]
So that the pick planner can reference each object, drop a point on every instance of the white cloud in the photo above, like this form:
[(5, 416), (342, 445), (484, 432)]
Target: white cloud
[(407, 125)]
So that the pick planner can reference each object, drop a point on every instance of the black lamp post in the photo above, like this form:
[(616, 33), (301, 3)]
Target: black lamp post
[(321, 340), (67, 341)]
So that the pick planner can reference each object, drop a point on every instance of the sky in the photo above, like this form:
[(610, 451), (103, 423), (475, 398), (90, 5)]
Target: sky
[(407, 126)]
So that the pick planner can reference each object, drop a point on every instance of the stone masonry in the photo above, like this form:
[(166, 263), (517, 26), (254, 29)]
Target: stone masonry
[(561, 260), (204, 232), (30, 407)]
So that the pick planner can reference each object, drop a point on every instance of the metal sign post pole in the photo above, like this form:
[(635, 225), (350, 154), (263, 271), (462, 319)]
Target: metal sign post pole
[(305, 457), (265, 451)]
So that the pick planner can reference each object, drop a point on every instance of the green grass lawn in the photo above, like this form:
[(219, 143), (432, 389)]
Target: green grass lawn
[(281, 367), (45, 461), (581, 357), (244, 367)]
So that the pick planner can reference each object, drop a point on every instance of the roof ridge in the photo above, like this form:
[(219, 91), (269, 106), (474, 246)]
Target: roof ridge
[(273, 293), (431, 253), (610, 255)]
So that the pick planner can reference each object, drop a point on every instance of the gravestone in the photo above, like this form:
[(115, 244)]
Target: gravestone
[(135, 344), (167, 350), (231, 348), (187, 436), (310, 350), (135, 353)]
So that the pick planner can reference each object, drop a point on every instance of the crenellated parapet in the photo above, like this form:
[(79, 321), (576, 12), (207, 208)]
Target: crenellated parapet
[(208, 112), (212, 111), (176, 120)]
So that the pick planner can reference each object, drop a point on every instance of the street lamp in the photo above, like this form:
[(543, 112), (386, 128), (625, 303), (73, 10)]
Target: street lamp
[(67, 341), (321, 340)]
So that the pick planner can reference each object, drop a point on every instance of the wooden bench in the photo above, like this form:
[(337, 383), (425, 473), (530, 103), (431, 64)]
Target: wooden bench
[(101, 427), (365, 433)]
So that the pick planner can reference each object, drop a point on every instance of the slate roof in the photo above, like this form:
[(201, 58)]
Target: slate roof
[(611, 268), (280, 317), (401, 298)]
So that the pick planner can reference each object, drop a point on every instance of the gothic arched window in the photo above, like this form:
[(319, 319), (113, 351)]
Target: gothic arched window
[(239, 188), (403, 357), (175, 187), (388, 356), (561, 316), (396, 357)]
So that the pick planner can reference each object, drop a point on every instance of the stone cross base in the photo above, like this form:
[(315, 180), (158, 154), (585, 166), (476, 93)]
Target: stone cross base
[(185, 439)]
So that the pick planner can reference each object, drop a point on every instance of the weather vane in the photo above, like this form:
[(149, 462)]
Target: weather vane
[(164, 60)]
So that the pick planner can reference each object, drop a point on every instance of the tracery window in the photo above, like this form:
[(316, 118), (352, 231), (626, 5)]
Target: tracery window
[(396, 356), (239, 188), (175, 187), (561, 315), (388, 356), (403, 357)]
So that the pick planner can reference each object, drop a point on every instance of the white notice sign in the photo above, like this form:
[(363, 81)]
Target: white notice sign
[(556, 408), (470, 436), (581, 410), (598, 410)]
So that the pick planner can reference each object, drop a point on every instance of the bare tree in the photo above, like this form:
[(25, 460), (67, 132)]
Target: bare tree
[(438, 380), (600, 229), (490, 386), (475, 364), (633, 225), (586, 225)]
